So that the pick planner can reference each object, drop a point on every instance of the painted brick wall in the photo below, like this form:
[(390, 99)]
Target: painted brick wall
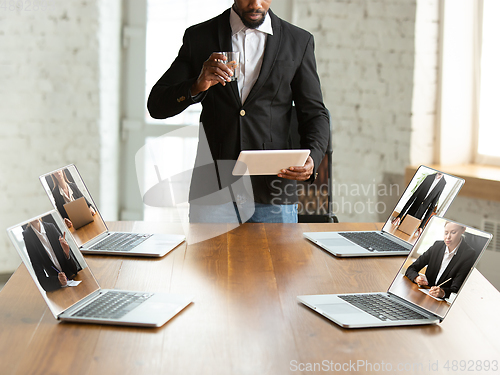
[(365, 55), (49, 105)]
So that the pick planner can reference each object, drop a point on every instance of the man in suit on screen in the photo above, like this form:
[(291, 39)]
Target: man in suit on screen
[(424, 200)]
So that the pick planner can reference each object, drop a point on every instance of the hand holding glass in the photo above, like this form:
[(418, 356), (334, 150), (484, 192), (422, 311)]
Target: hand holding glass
[(233, 63)]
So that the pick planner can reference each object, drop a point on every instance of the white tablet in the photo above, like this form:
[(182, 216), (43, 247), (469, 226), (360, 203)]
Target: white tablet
[(268, 162)]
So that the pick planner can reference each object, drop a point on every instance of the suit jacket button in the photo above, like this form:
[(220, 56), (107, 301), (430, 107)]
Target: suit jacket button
[(242, 113), (181, 99)]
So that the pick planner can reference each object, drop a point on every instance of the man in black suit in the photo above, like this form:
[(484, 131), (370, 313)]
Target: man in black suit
[(278, 67), (50, 255), (449, 259), (423, 201)]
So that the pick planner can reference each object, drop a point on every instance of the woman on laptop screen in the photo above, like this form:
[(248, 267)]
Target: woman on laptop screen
[(65, 191), (448, 263)]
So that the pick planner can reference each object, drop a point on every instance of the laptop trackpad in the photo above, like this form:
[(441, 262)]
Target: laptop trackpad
[(339, 308), (335, 242)]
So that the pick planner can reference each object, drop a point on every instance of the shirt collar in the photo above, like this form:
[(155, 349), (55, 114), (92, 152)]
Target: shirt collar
[(454, 251), (42, 229), (237, 25)]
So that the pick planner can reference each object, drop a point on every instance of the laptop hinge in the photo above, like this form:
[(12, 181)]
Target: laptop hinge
[(401, 242), (95, 240)]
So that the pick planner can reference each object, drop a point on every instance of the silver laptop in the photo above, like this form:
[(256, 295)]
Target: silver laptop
[(423, 290), (69, 288), (78, 212), (95, 238), (430, 192)]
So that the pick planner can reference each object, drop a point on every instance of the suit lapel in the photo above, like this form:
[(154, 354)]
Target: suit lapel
[(42, 253), (271, 52), (436, 262), (449, 267), (225, 44)]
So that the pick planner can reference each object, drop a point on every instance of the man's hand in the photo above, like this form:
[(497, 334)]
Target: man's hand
[(64, 244), (68, 222), (213, 72), (62, 278), (299, 173)]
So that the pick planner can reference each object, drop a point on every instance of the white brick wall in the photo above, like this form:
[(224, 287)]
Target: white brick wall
[(49, 106), (365, 55)]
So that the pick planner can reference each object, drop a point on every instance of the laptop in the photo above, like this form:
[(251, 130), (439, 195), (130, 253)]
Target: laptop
[(430, 192), (69, 288), (95, 238), (78, 212), (406, 302)]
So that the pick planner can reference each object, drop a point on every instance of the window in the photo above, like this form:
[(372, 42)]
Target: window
[(469, 122), (167, 21), (153, 32), (488, 140)]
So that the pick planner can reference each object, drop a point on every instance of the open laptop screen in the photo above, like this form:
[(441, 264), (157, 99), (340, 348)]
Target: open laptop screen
[(430, 264), (65, 185), (53, 260), (430, 192)]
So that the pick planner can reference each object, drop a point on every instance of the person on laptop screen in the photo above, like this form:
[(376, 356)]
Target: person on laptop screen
[(423, 201), (65, 191), (50, 255), (448, 263)]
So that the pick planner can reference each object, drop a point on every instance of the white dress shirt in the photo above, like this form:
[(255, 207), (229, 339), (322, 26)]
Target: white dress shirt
[(69, 197), (447, 257), (251, 44), (42, 236)]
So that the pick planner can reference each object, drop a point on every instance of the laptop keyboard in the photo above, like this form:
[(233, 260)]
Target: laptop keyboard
[(372, 241), (112, 305), (120, 241), (382, 307)]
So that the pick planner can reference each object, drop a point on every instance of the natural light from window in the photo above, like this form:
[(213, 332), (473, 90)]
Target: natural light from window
[(489, 116), (175, 152)]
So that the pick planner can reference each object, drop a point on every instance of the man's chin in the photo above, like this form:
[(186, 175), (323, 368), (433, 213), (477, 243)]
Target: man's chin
[(253, 23)]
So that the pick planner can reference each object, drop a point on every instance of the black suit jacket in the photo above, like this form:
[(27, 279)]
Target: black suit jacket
[(420, 206), (41, 262), (457, 269), (288, 74), (59, 199)]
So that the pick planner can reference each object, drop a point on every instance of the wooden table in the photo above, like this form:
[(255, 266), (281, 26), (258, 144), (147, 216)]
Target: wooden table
[(245, 318)]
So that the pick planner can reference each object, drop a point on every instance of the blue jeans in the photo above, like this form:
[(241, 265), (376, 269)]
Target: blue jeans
[(229, 213)]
